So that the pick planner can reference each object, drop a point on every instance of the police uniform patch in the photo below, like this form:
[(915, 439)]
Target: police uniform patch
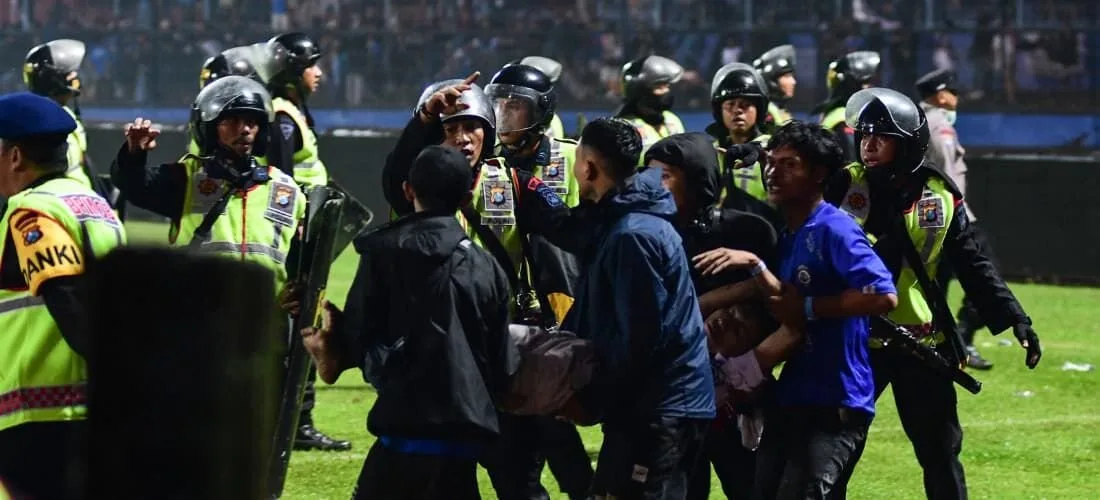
[(287, 129), (554, 172), (498, 204), (207, 186), (280, 204), (804, 275), (857, 201), (930, 212)]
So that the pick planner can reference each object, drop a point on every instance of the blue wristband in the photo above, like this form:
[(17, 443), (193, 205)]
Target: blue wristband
[(808, 308)]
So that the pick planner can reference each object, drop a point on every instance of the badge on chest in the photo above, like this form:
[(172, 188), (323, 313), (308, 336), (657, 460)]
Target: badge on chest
[(498, 204), (205, 192), (930, 212), (280, 204)]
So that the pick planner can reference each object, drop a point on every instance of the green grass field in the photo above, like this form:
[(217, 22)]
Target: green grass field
[(1029, 434)]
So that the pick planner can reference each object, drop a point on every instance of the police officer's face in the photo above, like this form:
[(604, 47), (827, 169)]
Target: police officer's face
[(311, 78), (465, 135), (877, 149), (947, 99), (789, 178), (787, 84), (513, 118), (739, 115), (673, 180), (238, 133)]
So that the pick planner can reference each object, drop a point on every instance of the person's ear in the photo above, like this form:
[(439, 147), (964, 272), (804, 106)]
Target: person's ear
[(591, 172), (410, 196)]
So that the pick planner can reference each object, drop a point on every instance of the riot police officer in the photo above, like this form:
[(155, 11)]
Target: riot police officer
[(53, 70), (939, 101), (777, 67), (552, 69), (524, 100), (648, 97), (739, 103), (508, 204), (916, 218), (294, 75), (846, 76)]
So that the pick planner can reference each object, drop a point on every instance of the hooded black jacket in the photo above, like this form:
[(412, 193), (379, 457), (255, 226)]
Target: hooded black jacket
[(712, 226), (427, 322)]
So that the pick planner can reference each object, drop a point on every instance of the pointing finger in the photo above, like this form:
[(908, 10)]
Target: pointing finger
[(472, 78)]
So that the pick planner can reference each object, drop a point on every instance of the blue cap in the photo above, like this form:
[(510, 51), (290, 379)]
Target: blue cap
[(25, 114)]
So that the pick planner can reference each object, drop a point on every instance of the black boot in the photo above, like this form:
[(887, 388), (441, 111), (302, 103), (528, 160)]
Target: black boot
[(975, 360), (309, 438)]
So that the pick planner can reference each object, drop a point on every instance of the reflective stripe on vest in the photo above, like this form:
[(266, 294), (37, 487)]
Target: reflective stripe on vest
[(779, 115), (258, 225), (308, 167), (36, 398), (20, 303), (926, 222)]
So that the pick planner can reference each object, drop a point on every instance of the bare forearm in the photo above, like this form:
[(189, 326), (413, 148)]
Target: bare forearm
[(777, 347), (854, 303)]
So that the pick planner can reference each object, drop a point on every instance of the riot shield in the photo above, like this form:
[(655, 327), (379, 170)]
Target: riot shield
[(354, 219), (317, 248)]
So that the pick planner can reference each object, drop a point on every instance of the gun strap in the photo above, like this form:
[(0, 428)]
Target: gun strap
[(941, 314), (202, 233)]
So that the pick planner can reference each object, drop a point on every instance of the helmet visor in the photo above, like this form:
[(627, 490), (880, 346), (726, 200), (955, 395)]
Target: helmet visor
[(515, 107), (67, 55), (882, 111)]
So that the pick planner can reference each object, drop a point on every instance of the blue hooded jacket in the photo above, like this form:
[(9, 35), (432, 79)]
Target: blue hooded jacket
[(636, 303)]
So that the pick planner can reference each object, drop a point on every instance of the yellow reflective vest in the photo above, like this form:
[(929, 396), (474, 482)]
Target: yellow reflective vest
[(258, 225), (78, 148), (41, 378), (779, 117), (309, 170), (749, 179), (558, 171), (556, 130), (926, 221), (651, 134)]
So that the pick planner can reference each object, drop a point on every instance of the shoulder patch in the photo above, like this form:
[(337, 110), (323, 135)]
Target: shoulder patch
[(45, 249), (545, 192), (287, 129), (91, 207), (534, 183)]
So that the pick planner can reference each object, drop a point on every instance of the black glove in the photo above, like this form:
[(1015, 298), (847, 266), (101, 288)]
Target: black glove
[(1030, 341), (748, 153)]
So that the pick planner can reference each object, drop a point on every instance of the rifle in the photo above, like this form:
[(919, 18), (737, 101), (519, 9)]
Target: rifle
[(310, 271), (901, 340)]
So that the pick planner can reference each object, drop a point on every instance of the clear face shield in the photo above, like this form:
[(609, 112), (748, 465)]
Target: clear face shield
[(515, 107)]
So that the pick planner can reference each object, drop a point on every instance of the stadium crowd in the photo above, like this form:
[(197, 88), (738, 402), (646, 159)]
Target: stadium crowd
[(143, 51)]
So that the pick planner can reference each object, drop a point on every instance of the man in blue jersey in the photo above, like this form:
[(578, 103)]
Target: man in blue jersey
[(833, 280)]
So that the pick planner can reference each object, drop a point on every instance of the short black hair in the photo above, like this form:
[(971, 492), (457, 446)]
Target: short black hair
[(47, 152), (814, 144), (617, 141), (441, 177)]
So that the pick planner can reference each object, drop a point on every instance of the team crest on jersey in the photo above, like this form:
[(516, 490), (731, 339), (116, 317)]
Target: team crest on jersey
[(930, 212), (804, 275)]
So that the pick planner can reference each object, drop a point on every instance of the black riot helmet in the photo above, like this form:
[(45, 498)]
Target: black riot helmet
[(523, 101), (773, 64), (546, 65), (292, 54), (230, 95), (644, 74), (234, 61), (882, 111), (477, 107), (848, 74), (738, 80), (47, 67)]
